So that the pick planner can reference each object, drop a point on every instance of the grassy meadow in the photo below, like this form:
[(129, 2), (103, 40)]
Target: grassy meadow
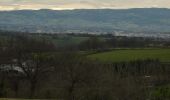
[(132, 54)]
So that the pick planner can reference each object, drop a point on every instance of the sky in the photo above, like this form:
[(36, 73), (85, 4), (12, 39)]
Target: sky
[(81, 4)]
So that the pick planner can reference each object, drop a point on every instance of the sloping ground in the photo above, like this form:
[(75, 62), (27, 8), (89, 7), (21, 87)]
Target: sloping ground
[(132, 54), (24, 99)]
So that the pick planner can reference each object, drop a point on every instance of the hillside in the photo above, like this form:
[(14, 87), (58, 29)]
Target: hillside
[(83, 20)]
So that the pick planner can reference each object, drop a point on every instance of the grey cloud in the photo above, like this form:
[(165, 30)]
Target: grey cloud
[(85, 3)]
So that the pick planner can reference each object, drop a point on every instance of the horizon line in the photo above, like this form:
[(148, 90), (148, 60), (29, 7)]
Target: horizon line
[(60, 9)]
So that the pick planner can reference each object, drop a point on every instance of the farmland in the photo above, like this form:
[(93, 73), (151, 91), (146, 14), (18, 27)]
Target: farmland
[(132, 54)]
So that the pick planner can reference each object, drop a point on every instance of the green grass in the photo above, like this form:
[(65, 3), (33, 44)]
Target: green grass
[(132, 54), (65, 40)]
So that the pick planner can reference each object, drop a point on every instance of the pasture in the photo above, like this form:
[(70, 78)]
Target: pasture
[(120, 55)]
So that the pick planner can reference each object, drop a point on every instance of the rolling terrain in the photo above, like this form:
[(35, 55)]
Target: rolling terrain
[(147, 20)]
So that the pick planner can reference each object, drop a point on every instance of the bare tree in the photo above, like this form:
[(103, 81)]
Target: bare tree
[(34, 67), (75, 73)]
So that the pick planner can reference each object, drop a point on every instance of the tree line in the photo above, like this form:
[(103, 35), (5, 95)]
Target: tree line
[(112, 42)]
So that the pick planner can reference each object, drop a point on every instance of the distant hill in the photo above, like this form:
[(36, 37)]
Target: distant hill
[(87, 20)]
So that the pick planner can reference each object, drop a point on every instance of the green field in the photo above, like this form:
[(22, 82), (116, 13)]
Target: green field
[(59, 40), (132, 54)]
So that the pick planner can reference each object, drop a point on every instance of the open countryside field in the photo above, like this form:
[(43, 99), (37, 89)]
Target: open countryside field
[(132, 54), (61, 40)]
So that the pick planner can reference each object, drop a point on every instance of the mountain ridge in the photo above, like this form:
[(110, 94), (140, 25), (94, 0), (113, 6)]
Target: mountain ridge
[(87, 20)]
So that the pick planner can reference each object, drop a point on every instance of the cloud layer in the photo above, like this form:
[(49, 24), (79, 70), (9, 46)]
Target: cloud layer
[(81, 4)]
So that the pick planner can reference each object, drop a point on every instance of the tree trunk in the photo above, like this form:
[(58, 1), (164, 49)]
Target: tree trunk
[(32, 89), (2, 86), (16, 88), (71, 91)]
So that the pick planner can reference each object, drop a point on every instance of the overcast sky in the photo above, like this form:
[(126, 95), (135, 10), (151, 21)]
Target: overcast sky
[(81, 4)]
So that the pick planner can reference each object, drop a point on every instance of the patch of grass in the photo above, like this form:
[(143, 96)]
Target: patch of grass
[(161, 93), (132, 54), (61, 40)]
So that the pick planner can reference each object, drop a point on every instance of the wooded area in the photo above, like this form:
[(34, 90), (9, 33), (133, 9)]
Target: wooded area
[(37, 68)]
